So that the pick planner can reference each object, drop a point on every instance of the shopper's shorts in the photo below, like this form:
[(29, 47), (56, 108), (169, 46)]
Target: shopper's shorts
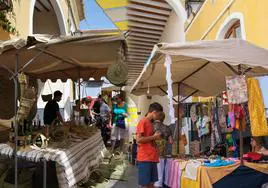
[(147, 173), (118, 133)]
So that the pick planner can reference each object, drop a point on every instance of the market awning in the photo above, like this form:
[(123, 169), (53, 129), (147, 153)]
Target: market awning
[(201, 66), (64, 57)]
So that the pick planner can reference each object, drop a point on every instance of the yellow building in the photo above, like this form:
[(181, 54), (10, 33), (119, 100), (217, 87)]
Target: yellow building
[(220, 19), (44, 17), (56, 17)]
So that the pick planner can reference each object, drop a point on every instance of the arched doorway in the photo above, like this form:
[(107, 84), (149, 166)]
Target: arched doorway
[(46, 17)]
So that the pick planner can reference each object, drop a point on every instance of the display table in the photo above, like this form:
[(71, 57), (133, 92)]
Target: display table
[(247, 176), (73, 159)]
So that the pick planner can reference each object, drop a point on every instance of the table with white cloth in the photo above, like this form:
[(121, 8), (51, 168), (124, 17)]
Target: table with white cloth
[(73, 159)]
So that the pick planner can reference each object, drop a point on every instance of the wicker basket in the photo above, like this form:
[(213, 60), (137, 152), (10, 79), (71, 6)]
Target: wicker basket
[(46, 98)]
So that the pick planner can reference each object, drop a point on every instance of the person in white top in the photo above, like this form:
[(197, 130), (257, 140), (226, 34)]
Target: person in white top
[(106, 119)]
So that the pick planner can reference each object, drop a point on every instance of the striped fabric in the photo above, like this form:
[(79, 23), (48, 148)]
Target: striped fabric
[(72, 164)]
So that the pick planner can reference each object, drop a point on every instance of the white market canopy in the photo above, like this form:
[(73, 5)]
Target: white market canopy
[(200, 67), (64, 57)]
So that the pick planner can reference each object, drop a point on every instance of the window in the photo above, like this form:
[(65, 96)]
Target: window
[(234, 31)]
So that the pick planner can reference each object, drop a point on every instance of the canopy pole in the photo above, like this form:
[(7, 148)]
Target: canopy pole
[(26, 65), (194, 92), (15, 79), (79, 93), (178, 118), (167, 94), (241, 140)]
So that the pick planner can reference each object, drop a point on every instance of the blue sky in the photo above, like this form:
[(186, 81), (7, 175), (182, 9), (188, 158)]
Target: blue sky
[(95, 18)]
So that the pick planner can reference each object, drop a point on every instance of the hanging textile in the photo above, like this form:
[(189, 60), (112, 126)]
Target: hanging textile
[(236, 89), (193, 113), (263, 82), (168, 63), (256, 109), (247, 118), (215, 135)]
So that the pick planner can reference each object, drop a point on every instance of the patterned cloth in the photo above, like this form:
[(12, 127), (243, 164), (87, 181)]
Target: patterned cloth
[(258, 122), (72, 164), (236, 89)]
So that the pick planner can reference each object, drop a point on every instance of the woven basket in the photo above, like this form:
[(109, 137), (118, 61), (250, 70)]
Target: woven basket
[(46, 98), (25, 108)]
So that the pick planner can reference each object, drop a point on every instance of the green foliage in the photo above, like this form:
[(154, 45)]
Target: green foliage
[(5, 24)]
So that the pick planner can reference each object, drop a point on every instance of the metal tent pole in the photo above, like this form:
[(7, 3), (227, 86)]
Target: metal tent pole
[(15, 79), (241, 140), (178, 119), (44, 173)]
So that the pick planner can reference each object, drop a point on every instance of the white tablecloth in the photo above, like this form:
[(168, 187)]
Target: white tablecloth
[(72, 164)]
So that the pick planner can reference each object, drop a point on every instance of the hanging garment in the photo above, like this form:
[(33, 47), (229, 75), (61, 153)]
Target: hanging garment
[(258, 120), (198, 125), (193, 113), (239, 111), (222, 118), (194, 147), (205, 126), (236, 89), (231, 116), (245, 107)]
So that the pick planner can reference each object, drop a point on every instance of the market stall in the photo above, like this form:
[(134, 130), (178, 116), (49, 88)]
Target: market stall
[(49, 57), (74, 157), (207, 68)]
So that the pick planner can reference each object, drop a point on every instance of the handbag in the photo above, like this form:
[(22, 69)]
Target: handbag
[(47, 97), (120, 122)]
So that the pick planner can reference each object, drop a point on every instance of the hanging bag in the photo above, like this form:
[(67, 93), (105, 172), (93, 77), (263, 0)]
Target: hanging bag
[(47, 97), (120, 122)]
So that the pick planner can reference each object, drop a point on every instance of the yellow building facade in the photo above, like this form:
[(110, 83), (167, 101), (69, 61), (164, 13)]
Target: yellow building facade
[(44, 17), (218, 17)]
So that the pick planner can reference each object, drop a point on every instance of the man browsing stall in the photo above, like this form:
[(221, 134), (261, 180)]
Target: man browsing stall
[(147, 154)]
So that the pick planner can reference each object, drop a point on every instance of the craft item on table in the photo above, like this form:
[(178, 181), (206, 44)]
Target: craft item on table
[(252, 157), (40, 141), (258, 122), (191, 170), (236, 89), (218, 163)]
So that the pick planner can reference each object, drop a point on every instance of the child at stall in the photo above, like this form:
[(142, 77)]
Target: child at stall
[(162, 144), (166, 134)]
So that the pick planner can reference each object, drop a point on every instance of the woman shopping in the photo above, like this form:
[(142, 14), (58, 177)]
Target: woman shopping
[(119, 122)]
